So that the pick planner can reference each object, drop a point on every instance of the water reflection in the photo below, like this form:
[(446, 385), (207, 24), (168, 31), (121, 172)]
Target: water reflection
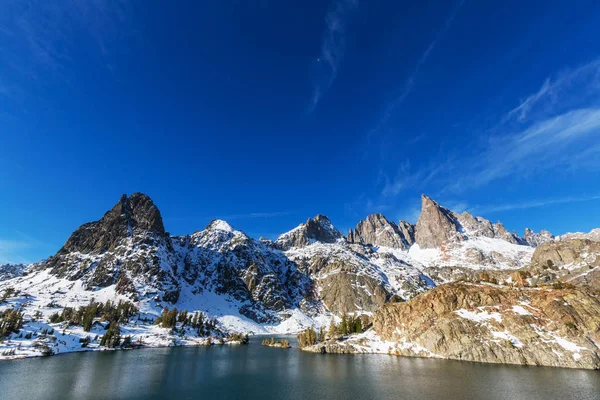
[(257, 372)]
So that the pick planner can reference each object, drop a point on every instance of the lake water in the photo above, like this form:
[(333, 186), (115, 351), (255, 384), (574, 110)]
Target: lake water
[(257, 372)]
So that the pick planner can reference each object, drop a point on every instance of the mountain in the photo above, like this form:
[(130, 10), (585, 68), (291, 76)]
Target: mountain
[(317, 229), (537, 239), (307, 277), (9, 271), (445, 239), (436, 226), (593, 235), (496, 324), (128, 247), (376, 230)]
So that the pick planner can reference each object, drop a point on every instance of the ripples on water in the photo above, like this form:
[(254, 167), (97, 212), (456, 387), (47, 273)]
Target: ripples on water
[(257, 372)]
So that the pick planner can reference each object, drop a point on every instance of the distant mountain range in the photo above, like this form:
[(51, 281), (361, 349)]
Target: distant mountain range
[(304, 278)]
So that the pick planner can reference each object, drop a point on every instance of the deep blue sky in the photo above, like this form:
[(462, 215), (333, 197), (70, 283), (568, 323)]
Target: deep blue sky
[(265, 113)]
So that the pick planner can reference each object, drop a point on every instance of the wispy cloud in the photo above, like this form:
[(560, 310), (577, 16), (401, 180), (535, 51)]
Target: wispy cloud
[(37, 40), (13, 251), (531, 204), (546, 145), (557, 128), (410, 81), (585, 80), (333, 46)]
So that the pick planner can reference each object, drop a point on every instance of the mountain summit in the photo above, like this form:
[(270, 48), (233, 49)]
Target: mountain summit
[(317, 229), (136, 213), (378, 231), (436, 225)]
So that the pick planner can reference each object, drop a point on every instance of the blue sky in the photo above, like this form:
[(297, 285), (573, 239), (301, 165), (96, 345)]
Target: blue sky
[(265, 113)]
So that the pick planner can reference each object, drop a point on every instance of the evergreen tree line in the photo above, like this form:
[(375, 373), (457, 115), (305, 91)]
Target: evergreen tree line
[(11, 321), (198, 321), (118, 313), (114, 313), (307, 337), (271, 342), (347, 326)]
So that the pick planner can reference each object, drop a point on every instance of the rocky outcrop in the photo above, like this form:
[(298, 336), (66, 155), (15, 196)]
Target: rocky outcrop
[(317, 229), (376, 230), (355, 278), (407, 230), (436, 225), (128, 247), (129, 215), (255, 274), (501, 232), (478, 226), (572, 253), (488, 323), (535, 239)]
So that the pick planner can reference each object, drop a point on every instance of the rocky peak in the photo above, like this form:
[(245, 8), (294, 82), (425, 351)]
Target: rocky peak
[(219, 225), (535, 239), (317, 229), (378, 231), (436, 225), (501, 232), (476, 226), (407, 230), (136, 213)]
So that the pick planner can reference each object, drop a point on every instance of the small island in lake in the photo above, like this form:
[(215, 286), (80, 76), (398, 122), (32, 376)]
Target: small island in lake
[(284, 344)]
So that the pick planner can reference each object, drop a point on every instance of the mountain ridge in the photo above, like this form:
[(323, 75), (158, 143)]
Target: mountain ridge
[(309, 276)]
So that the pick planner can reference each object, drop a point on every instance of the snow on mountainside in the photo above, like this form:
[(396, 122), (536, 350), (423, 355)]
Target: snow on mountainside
[(308, 276), (593, 235), (9, 271)]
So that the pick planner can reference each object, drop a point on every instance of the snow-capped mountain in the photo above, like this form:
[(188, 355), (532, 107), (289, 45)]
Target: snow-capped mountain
[(312, 268), (9, 271), (306, 277)]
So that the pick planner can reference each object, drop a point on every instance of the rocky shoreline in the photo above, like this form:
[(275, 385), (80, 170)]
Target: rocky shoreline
[(486, 323)]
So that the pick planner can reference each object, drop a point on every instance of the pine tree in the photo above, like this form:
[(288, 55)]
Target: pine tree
[(332, 331), (358, 325), (344, 325)]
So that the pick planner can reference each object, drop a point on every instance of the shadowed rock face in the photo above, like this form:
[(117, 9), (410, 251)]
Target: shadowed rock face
[(135, 213), (128, 244), (496, 324), (376, 230), (317, 229), (436, 225), (407, 231)]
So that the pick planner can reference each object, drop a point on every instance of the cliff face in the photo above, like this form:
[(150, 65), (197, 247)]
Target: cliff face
[(495, 324), (573, 252), (436, 225), (317, 229), (376, 230)]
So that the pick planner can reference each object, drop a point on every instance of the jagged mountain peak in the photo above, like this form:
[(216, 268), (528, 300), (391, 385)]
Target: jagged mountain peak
[(436, 225), (377, 230), (220, 225), (535, 239), (136, 213), (316, 229)]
